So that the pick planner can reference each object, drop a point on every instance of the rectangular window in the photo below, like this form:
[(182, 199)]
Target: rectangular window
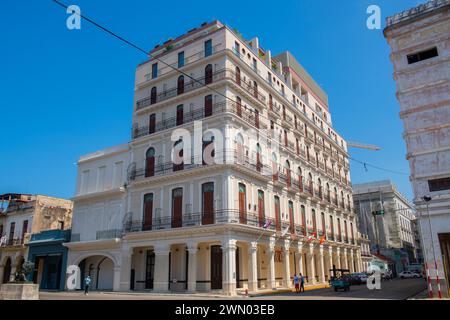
[(181, 59), (12, 229), (423, 55), (255, 64), (439, 184), (61, 225), (154, 70), (237, 48), (208, 48), (24, 228)]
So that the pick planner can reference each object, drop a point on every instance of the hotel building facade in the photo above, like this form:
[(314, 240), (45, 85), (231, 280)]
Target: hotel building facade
[(234, 178)]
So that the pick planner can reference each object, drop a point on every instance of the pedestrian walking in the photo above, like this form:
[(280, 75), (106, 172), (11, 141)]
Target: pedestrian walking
[(302, 283), (87, 283), (296, 283)]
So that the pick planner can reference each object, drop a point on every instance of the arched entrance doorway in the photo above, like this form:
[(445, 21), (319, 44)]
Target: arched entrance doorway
[(100, 269)]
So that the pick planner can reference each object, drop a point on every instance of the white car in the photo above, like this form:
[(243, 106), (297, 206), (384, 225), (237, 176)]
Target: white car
[(408, 274)]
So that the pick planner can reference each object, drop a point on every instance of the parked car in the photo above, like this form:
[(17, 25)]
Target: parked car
[(358, 278), (408, 274)]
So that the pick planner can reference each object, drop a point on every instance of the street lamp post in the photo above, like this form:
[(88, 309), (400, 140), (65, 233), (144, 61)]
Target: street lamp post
[(427, 199)]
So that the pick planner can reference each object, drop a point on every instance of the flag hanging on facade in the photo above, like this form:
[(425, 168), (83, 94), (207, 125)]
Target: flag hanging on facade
[(267, 224), (322, 240), (285, 231)]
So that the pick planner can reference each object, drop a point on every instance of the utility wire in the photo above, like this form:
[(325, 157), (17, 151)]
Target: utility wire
[(365, 164)]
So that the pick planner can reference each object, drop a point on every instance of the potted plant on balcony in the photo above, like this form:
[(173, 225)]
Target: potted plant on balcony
[(21, 288)]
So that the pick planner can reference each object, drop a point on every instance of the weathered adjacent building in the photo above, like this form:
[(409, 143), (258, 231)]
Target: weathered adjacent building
[(24, 215), (391, 232), (420, 53)]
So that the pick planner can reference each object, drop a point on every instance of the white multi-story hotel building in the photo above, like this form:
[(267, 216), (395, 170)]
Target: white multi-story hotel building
[(276, 199), (420, 53)]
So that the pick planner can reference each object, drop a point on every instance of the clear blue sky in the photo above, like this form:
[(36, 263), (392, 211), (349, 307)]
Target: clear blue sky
[(67, 93)]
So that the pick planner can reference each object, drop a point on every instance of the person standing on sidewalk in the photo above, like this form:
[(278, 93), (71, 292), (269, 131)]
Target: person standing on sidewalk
[(296, 283), (87, 283), (302, 283)]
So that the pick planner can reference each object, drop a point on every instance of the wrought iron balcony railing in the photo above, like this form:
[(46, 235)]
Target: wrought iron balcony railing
[(226, 156), (190, 85), (200, 113)]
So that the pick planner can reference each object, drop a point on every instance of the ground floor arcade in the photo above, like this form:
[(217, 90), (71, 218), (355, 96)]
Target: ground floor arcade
[(209, 259)]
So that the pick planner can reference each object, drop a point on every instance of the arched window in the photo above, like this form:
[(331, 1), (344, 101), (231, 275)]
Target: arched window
[(148, 212), (208, 74), (287, 168), (274, 167), (208, 151), (342, 200), (277, 213), (291, 217), (300, 178), (208, 203), (177, 208), (242, 204), (240, 148), (208, 106), (150, 162), (255, 89), (152, 123), (258, 157), (335, 196), (238, 76), (311, 184), (180, 85), (314, 222), (153, 95), (178, 163), (328, 193), (319, 185), (180, 115), (348, 202), (261, 213), (239, 106), (303, 213)]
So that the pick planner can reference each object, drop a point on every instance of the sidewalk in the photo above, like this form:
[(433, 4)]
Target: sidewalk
[(260, 293)]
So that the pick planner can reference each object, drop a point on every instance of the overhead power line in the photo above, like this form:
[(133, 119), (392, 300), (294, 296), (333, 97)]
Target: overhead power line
[(129, 43), (365, 164)]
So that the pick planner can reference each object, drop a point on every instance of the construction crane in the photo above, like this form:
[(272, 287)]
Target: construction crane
[(363, 146)]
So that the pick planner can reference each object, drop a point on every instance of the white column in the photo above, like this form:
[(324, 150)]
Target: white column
[(271, 264), (330, 256), (345, 266), (321, 265), (229, 266), (13, 272), (252, 266), (338, 256), (299, 258), (192, 267), (311, 266), (161, 277), (122, 272), (287, 265), (352, 265)]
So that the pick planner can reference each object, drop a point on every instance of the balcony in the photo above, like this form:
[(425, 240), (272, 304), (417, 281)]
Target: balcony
[(14, 242), (191, 85), (51, 235), (274, 110), (196, 219), (189, 60), (199, 113), (224, 157)]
